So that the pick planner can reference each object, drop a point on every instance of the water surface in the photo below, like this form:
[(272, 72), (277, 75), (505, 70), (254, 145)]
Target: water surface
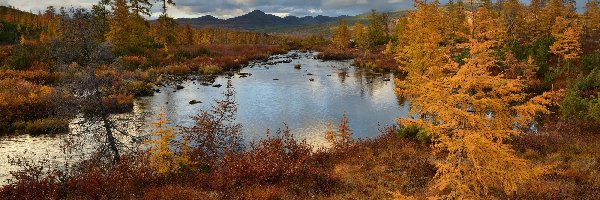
[(305, 99)]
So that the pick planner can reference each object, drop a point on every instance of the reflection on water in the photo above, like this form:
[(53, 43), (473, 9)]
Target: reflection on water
[(305, 99)]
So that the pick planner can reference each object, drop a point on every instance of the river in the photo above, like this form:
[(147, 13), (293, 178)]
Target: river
[(268, 95)]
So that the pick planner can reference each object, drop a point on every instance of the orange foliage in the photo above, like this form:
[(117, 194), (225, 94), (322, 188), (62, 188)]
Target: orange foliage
[(21, 100)]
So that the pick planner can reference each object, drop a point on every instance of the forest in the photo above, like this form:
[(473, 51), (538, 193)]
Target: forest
[(504, 103)]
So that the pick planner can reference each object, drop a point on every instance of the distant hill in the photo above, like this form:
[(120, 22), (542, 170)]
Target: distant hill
[(256, 21), (262, 22), (327, 28)]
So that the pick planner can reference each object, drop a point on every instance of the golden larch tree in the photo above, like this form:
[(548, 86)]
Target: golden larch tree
[(341, 39), (591, 17), (472, 109), (342, 137), (162, 157), (359, 35), (567, 35)]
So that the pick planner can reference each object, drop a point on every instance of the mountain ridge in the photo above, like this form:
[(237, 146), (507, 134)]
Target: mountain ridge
[(257, 20)]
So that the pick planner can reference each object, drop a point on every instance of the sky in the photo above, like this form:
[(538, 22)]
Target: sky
[(231, 8)]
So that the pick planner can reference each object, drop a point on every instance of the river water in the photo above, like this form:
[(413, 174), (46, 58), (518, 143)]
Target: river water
[(305, 99)]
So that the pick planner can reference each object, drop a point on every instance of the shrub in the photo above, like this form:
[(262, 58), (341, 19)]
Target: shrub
[(582, 98), (209, 69), (21, 100), (177, 69), (335, 55), (408, 131), (23, 57), (139, 88), (590, 61), (42, 126), (415, 132), (133, 62), (118, 103), (274, 160), (176, 192), (182, 54), (342, 137)]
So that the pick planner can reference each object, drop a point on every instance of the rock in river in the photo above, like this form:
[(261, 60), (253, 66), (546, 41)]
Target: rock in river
[(192, 102)]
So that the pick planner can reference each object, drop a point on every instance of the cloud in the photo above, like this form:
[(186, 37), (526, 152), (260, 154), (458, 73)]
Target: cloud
[(232, 8)]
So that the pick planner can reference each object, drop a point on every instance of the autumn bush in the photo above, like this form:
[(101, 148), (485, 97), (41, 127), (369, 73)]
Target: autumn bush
[(416, 133), (118, 103), (22, 57), (39, 76), (590, 61), (377, 61), (133, 62), (180, 69), (139, 88), (21, 100), (336, 54), (189, 52), (571, 150), (41, 126), (209, 69), (270, 161)]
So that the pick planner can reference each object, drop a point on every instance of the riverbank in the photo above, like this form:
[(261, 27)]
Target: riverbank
[(374, 59), (33, 98), (383, 168), (337, 88)]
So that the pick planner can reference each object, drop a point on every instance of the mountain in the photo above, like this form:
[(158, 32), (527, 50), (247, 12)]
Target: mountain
[(257, 21), (327, 27), (262, 22)]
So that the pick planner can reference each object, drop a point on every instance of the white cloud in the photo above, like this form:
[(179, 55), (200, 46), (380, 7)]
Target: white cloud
[(231, 8)]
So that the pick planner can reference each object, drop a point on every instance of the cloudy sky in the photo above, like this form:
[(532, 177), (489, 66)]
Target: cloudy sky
[(231, 8)]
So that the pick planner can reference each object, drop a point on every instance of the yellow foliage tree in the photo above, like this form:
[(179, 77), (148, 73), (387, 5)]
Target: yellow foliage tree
[(359, 35), (161, 155), (471, 109), (591, 17), (567, 35), (341, 138), (420, 50), (513, 14), (128, 31), (341, 39)]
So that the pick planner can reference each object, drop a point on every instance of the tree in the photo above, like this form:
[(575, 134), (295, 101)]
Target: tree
[(360, 36), (161, 155), (164, 30), (591, 17), (513, 16), (128, 32), (215, 132), (78, 54), (52, 20), (165, 4), (420, 44), (101, 18), (341, 39), (456, 18), (140, 7), (342, 137), (470, 108), (376, 34), (389, 49), (567, 35), (187, 35)]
